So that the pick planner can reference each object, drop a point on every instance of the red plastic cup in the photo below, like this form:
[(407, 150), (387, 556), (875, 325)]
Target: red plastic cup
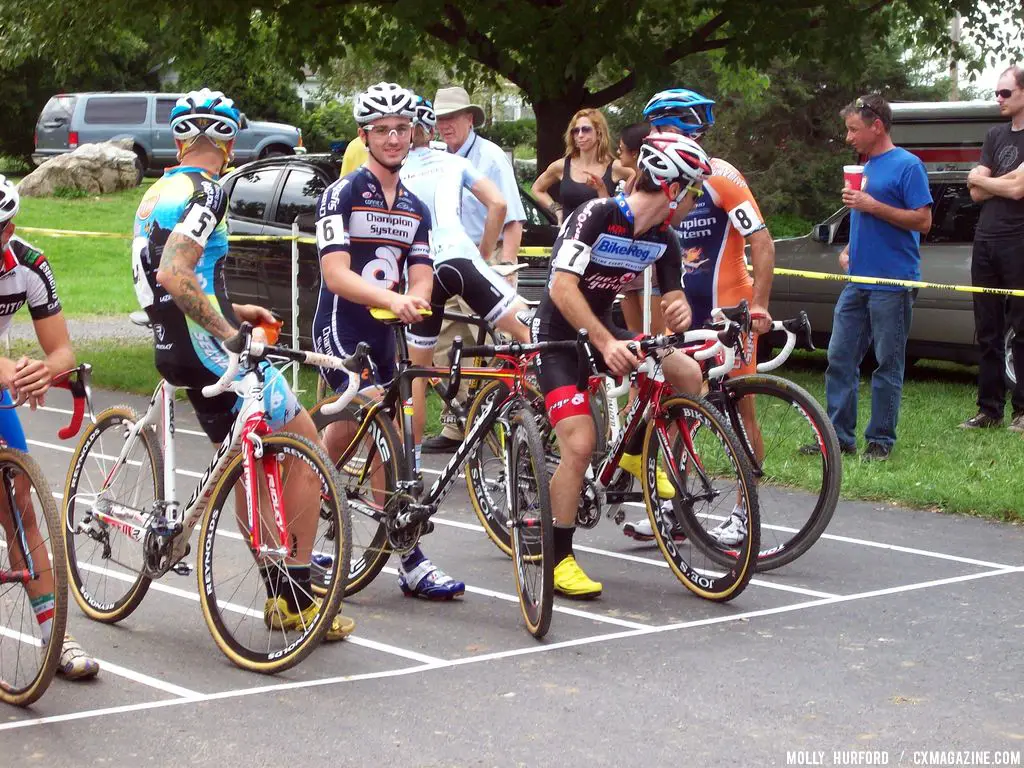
[(853, 176)]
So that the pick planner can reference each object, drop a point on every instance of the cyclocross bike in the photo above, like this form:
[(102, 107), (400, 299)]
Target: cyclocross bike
[(384, 487), (706, 465), (125, 526), (33, 580)]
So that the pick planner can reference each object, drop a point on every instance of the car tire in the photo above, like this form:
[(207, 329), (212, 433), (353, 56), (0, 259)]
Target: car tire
[(140, 166)]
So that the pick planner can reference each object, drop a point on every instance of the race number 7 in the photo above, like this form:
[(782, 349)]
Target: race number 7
[(569, 256)]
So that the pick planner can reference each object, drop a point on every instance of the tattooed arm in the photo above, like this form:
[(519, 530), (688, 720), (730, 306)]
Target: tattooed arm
[(177, 275)]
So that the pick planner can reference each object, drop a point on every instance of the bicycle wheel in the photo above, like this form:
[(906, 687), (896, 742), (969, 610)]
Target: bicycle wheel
[(712, 480), (368, 478), (800, 470), (33, 581), (242, 595), (531, 528), (486, 467), (105, 564)]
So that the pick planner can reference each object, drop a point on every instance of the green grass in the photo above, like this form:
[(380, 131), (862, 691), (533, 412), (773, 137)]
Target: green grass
[(94, 276)]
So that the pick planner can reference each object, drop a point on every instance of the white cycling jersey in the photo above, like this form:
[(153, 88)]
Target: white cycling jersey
[(26, 278), (438, 178)]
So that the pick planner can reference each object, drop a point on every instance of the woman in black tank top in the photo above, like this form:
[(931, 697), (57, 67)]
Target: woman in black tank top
[(586, 171)]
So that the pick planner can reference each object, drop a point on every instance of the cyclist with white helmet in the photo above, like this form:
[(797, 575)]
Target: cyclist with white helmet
[(178, 253), (602, 246), (437, 178), (26, 278), (713, 237), (371, 230)]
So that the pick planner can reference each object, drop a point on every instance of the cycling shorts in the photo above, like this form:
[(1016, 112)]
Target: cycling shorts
[(334, 341), (10, 424), (202, 361), (556, 375), (487, 292)]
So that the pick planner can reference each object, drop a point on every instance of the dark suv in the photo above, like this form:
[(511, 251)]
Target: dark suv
[(265, 198)]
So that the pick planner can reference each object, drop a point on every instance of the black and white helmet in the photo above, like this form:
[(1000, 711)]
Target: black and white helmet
[(668, 157), (383, 100), (10, 201), (425, 114)]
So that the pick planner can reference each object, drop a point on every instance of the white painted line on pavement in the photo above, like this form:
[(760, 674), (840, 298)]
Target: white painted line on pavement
[(838, 538), (645, 560), (65, 449), (539, 648), (556, 608), (375, 645), (69, 412), (175, 690)]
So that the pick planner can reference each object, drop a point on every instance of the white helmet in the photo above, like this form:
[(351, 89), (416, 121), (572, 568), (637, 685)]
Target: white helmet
[(383, 100), (10, 201), (668, 157)]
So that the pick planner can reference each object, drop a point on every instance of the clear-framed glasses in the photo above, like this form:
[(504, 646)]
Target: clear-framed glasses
[(402, 131)]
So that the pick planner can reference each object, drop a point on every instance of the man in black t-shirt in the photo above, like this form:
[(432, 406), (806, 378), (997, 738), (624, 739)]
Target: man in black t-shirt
[(998, 258)]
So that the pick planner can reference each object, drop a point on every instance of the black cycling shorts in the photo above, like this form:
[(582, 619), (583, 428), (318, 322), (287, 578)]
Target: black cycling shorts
[(556, 375), (487, 292)]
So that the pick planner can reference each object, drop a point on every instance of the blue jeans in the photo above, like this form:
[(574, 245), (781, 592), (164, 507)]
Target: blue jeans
[(867, 318)]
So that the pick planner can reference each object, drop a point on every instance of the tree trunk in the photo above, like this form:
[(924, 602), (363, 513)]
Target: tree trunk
[(552, 120)]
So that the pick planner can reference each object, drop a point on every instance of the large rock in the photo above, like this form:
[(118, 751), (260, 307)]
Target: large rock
[(93, 168)]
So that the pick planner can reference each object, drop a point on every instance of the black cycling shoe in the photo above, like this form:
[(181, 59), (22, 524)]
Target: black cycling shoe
[(440, 444)]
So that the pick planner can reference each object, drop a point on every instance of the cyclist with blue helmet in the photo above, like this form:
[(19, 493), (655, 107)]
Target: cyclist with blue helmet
[(26, 279), (713, 237), (180, 241)]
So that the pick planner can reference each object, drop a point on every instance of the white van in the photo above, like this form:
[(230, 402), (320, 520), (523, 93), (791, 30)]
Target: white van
[(946, 135)]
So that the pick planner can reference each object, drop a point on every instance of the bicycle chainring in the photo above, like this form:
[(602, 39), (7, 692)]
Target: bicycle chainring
[(588, 511)]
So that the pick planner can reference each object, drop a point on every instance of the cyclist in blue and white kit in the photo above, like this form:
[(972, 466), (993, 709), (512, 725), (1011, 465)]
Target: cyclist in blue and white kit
[(180, 241), (370, 231), (26, 278), (437, 178)]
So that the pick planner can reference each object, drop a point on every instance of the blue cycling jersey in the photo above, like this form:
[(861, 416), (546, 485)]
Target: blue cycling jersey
[(353, 217)]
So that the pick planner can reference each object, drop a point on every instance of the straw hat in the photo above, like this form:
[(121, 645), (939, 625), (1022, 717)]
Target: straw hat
[(448, 101)]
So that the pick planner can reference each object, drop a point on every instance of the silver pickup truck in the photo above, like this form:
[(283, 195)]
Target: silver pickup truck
[(71, 119), (948, 138)]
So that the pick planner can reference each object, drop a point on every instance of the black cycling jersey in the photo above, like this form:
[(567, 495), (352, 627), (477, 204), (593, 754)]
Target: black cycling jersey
[(597, 244)]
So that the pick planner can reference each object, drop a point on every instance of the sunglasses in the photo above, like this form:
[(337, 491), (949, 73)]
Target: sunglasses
[(864, 106), (1004, 93), (582, 129), (382, 131)]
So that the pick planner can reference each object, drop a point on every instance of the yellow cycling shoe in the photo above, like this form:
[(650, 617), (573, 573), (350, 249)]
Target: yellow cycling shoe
[(630, 462), (277, 615), (571, 581)]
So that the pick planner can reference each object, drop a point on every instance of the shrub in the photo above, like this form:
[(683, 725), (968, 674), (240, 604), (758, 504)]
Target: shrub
[(508, 135), (329, 122)]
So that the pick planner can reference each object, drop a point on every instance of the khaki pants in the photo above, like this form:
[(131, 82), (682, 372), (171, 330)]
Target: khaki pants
[(449, 330)]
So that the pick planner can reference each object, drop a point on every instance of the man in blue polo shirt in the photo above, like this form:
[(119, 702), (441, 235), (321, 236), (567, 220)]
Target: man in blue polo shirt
[(888, 215)]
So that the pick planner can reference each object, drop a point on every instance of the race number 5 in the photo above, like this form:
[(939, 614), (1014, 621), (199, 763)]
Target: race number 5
[(745, 219)]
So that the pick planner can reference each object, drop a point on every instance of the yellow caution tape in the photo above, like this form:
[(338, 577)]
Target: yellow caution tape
[(541, 251)]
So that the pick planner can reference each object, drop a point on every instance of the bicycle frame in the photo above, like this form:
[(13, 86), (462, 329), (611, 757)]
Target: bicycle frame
[(246, 432)]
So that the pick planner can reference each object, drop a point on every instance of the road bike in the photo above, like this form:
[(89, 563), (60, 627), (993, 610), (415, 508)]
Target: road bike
[(125, 525)]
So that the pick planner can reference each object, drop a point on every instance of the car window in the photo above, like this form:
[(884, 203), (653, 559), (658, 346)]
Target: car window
[(106, 110), (533, 213), (843, 230), (954, 215), (251, 192), (299, 195), (163, 111), (57, 108)]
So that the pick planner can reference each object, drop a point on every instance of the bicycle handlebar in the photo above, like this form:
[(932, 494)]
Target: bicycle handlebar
[(242, 345), (798, 331), (78, 382)]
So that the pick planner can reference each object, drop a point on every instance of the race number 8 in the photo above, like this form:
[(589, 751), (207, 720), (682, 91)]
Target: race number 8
[(745, 219)]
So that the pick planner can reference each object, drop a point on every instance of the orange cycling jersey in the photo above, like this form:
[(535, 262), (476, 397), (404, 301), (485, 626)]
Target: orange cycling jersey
[(712, 237)]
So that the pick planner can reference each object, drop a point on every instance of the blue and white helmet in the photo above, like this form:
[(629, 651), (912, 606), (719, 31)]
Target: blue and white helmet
[(10, 201), (383, 100), (680, 108), (425, 114), (205, 113)]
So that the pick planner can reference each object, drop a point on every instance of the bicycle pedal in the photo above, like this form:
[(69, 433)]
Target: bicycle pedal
[(182, 568)]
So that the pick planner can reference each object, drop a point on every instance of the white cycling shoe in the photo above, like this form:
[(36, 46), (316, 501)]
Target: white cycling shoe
[(733, 531)]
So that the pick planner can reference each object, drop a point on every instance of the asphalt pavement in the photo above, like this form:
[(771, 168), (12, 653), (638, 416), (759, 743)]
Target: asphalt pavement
[(898, 635)]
